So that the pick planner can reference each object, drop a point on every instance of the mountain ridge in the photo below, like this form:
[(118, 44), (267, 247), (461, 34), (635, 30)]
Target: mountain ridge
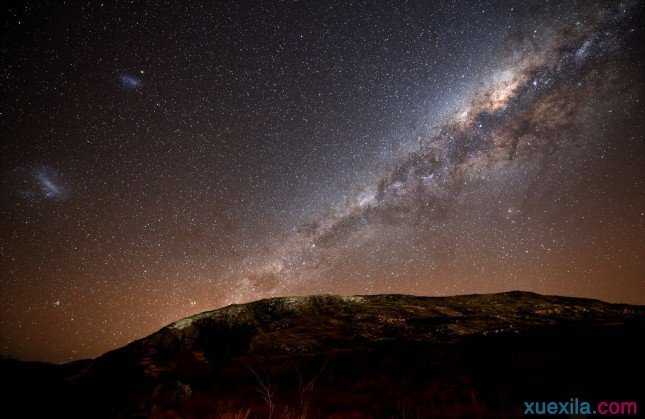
[(368, 355)]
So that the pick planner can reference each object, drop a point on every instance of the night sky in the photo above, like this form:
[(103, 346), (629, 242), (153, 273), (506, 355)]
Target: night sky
[(159, 160)]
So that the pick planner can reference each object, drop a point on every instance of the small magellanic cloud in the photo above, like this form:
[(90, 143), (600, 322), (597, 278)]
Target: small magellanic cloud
[(130, 81)]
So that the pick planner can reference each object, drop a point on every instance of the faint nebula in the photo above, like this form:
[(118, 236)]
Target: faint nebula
[(46, 185), (129, 81)]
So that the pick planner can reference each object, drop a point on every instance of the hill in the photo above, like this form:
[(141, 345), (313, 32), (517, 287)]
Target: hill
[(360, 356)]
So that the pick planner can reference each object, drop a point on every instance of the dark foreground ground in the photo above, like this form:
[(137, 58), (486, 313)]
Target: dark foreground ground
[(383, 356)]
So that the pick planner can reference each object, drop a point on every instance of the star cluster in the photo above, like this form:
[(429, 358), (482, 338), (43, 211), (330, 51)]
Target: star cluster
[(158, 161)]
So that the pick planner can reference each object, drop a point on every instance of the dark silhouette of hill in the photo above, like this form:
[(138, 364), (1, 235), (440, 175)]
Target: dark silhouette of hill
[(395, 356)]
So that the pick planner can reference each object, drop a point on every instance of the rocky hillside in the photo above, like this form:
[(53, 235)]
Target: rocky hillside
[(395, 356)]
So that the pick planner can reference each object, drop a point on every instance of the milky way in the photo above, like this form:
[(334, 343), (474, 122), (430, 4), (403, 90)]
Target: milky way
[(165, 161), (495, 174)]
